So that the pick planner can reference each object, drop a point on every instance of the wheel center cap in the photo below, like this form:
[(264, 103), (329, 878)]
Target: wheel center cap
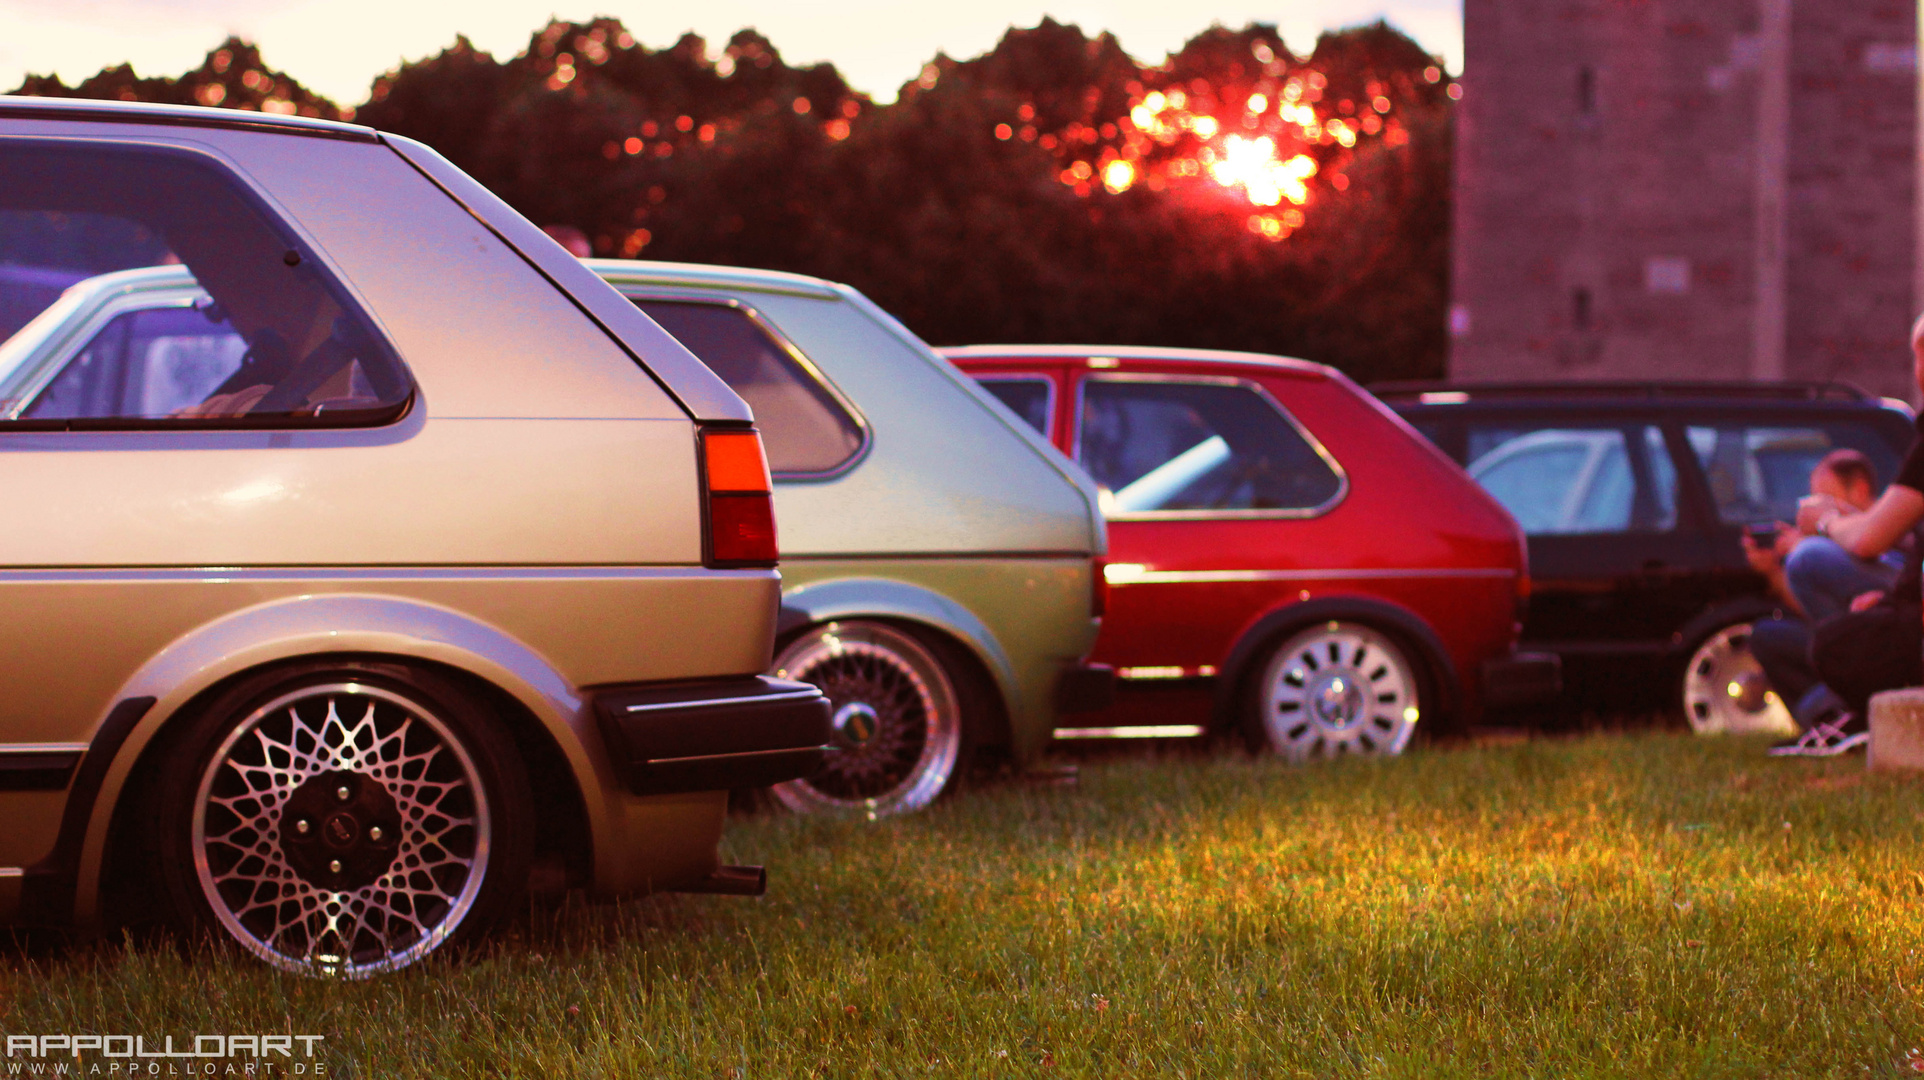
[(856, 723), (1337, 700), (340, 830), (1747, 690)]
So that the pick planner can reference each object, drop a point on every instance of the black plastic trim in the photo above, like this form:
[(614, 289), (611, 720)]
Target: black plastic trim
[(1085, 688), (1524, 678), (37, 770), (319, 420), (1627, 389), (47, 893), (714, 734)]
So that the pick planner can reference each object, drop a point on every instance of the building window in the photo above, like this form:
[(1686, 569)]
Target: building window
[(1587, 90), (1580, 315)]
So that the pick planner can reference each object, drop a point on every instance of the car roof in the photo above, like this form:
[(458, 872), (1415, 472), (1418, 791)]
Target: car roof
[(1131, 352), (139, 112), (1444, 392), (705, 276)]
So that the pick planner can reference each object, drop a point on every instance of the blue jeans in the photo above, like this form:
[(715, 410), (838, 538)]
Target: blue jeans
[(1782, 649), (1825, 578)]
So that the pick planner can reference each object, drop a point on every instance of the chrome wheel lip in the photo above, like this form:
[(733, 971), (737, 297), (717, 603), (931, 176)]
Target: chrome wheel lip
[(430, 938), (942, 740), (1723, 658), (1319, 709)]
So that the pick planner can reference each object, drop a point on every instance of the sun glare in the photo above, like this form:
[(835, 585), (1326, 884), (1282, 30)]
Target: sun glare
[(1261, 143)]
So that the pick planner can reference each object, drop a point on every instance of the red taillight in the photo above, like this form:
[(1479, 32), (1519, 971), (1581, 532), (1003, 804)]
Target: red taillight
[(739, 499), (1099, 589)]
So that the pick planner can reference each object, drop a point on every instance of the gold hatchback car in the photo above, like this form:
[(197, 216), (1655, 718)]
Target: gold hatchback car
[(368, 562)]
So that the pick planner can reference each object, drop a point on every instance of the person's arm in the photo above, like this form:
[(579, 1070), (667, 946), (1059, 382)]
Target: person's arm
[(1871, 533)]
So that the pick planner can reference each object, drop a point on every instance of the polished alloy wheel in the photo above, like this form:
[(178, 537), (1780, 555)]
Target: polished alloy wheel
[(897, 732), (1338, 688), (341, 829), (1725, 691)]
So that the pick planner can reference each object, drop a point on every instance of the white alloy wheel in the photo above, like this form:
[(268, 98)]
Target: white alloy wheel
[(897, 737), (1338, 688), (1725, 691), (341, 829)]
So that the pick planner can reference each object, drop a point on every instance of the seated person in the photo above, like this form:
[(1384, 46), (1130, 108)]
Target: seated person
[(1818, 579), (1879, 645), (1813, 574)]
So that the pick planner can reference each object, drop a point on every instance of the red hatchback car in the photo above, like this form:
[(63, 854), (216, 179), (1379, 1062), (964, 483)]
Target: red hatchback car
[(1287, 557)]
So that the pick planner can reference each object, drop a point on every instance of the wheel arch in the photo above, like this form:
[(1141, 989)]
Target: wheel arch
[(1715, 617), (540, 708), (958, 631), (1245, 658)]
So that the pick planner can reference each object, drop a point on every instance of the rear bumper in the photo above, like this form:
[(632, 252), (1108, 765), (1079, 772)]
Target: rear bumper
[(1524, 678), (713, 735), (1085, 688)]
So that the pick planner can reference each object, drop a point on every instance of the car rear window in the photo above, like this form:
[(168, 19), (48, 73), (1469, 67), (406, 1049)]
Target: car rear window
[(1158, 445), (1758, 471), (146, 287), (806, 430), (1032, 397)]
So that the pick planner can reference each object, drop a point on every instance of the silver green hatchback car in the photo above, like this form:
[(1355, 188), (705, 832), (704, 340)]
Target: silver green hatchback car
[(937, 555), (367, 561)]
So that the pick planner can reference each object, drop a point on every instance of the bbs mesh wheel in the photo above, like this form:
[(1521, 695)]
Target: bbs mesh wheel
[(898, 735), (346, 820)]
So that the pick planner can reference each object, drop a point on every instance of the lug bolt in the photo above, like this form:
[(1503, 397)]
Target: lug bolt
[(335, 866), (341, 793), (374, 833), (302, 826)]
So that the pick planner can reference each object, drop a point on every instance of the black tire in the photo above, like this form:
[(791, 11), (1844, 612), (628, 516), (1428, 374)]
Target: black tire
[(343, 818)]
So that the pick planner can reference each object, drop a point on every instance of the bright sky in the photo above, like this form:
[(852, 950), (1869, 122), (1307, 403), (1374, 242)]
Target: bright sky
[(337, 47)]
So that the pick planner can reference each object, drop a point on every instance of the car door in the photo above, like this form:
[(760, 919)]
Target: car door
[(1211, 489), (1609, 538)]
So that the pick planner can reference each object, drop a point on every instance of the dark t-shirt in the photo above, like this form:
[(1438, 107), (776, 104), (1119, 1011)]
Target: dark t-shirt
[(1911, 473), (1905, 590)]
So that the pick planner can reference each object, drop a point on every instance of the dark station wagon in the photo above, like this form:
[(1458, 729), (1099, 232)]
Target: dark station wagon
[(1634, 497)]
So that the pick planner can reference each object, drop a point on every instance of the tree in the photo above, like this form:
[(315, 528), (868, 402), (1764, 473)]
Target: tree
[(1053, 189)]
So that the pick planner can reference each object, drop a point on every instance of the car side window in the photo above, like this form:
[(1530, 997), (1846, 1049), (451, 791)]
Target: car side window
[(1757, 472), (146, 287), (1191, 445), (1575, 480), (1032, 397), (805, 429)]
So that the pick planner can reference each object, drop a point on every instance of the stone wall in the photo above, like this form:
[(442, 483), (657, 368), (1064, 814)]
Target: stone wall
[(1616, 190)]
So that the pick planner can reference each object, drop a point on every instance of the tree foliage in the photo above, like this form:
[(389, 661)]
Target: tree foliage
[(1053, 189)]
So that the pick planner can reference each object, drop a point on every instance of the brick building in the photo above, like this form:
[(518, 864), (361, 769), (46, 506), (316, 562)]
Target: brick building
[(1687, 188)]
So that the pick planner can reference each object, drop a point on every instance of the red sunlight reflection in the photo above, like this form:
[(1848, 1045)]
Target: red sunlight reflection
[(1263, 140)]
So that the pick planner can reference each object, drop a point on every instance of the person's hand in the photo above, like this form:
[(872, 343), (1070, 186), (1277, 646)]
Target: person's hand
[(1811, 509), (1763, 558), (1863, 601), (1787, 538), (225, 405)]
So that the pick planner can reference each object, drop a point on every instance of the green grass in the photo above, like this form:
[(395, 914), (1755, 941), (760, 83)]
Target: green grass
[(1643, 905)]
